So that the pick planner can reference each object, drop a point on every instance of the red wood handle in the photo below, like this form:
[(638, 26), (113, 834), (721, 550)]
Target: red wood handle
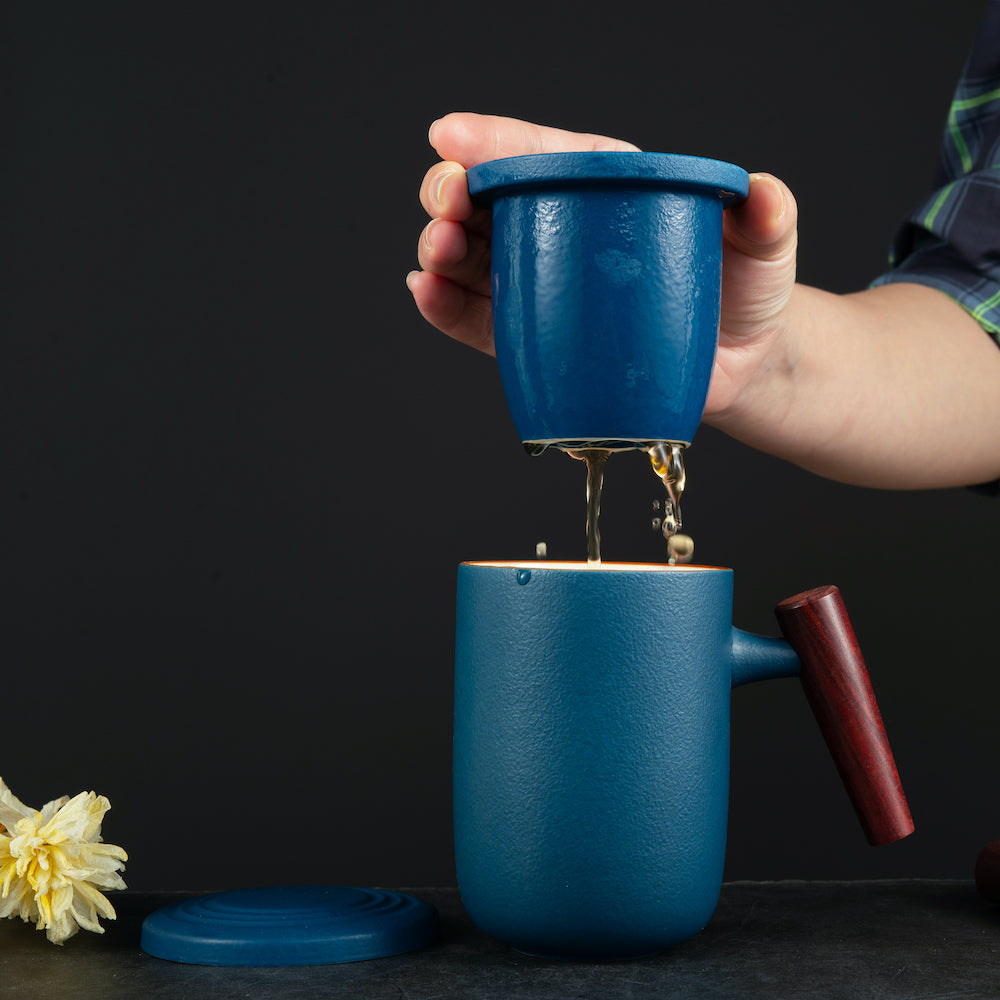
[(839, 690), (988, 871)]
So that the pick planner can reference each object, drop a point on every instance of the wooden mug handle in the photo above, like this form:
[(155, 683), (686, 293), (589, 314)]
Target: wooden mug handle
[(836, 682), (988, 872)]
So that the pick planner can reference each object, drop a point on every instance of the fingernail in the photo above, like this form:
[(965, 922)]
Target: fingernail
[(439, 188), (427, 233), (430, 131), (776, 186), (409, 280)]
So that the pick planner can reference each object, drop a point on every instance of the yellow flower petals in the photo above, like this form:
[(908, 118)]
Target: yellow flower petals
[(52, 861)]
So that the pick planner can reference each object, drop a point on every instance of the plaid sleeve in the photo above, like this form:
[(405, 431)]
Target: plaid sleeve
[(952, 241)]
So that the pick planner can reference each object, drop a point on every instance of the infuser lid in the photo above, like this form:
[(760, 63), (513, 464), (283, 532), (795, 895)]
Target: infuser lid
[(290, 925)]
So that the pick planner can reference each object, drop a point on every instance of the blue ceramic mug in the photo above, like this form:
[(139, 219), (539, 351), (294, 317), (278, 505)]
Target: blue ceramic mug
[(591, 750), (606, 279)]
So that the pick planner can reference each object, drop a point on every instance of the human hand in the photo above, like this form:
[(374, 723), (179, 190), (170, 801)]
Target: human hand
[(453, 290)]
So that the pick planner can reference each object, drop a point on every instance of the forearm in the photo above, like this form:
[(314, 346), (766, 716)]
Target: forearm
[(893, 387)]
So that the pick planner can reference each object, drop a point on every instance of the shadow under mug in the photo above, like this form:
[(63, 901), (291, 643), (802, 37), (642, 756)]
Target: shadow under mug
[(606, 279), (591, 745)]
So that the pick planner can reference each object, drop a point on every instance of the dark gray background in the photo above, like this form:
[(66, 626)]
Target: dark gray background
[(237, 470)]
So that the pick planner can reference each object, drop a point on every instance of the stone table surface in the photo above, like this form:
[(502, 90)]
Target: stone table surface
[(928, 939)]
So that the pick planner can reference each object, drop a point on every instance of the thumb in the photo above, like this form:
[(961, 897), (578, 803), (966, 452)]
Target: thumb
[(764, 224), (758, 273)]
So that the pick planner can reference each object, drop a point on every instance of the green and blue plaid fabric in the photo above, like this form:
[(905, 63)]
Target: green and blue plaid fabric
[(952, 241)]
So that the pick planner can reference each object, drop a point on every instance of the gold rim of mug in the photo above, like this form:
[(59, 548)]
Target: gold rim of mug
[(613, 567)]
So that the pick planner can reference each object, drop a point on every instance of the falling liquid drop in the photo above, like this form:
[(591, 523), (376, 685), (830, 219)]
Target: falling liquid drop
[(667, 459), (681, 548)]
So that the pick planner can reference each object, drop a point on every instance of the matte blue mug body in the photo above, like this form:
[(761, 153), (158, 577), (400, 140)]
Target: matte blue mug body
[(606, 279), (591, 751)]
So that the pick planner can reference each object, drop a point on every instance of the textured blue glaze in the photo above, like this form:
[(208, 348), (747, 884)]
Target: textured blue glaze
[(606, 278), (289, 925), (759, 657), (591, 754)]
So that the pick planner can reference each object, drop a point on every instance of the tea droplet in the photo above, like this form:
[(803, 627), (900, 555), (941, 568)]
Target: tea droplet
[(667, 459), (681, 548)]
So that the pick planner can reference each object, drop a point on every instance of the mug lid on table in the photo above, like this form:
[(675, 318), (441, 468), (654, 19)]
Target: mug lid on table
[(290, 925)]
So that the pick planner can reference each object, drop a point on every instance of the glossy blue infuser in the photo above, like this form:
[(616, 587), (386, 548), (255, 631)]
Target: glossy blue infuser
[(606, 280)]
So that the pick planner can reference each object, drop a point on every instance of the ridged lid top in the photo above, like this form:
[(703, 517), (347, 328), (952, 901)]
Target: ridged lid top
[(289, 925)]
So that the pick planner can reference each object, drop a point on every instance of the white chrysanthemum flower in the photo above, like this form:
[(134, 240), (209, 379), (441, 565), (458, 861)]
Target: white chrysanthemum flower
[(53, 864)]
